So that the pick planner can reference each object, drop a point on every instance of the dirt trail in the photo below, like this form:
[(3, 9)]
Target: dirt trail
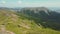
[(4, 31)]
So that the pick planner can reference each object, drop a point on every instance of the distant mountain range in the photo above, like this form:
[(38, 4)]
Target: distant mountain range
[(55, 9), (18, 8)]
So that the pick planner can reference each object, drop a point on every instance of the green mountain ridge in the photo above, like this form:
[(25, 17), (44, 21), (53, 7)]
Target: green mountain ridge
[(22, 23), (51, 18)]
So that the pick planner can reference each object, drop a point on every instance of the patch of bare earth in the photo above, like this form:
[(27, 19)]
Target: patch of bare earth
[(4, 31), (24, 25)]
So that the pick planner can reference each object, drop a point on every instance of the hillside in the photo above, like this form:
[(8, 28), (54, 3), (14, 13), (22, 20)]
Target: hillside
[(43, 16), (12, 22)]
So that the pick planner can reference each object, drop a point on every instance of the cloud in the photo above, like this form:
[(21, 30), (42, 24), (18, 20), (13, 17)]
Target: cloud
[(19, 2), (3, 2), (43, 4), (50, 4)]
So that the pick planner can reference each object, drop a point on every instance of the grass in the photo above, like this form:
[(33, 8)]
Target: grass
[(14, 26)]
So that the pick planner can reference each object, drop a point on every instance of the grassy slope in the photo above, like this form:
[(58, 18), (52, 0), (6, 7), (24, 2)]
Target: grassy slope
[(18, 25)]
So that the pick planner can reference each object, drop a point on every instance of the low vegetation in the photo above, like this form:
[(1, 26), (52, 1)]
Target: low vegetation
[(29, 22)]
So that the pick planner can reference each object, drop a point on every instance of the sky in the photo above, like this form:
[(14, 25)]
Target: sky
[(29, 3)]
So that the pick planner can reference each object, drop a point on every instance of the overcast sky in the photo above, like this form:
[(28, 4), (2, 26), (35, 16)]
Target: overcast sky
[(29, 3)]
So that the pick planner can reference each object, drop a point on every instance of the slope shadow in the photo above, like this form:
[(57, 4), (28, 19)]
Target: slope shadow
[(49, 21)]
